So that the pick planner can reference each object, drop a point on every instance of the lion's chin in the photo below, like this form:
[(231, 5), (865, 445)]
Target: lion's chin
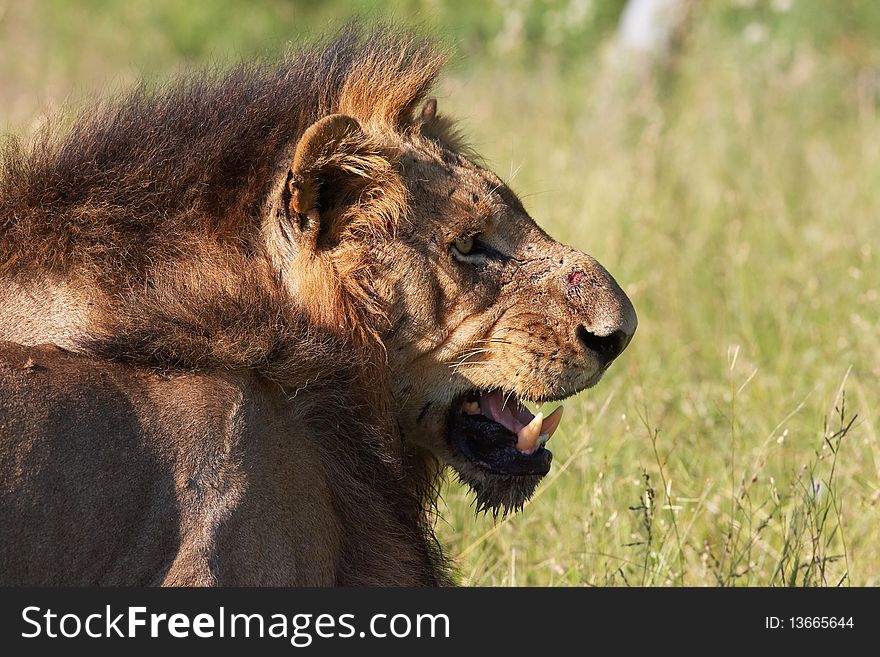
[(497, 493)]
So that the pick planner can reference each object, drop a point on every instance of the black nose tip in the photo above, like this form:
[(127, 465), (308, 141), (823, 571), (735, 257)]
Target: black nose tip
[(608, 347)]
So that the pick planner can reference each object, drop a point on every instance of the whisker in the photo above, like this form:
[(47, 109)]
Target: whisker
[(471, 352), (474, 352), (494, 341), (537, 193)]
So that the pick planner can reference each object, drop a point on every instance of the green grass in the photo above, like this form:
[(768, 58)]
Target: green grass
[(734, 196)]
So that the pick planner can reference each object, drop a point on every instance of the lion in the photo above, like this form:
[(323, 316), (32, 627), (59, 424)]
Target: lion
[(320, 211)]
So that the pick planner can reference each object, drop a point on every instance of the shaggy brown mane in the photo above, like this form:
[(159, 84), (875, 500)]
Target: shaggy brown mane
[(160, 177), (194, 157)]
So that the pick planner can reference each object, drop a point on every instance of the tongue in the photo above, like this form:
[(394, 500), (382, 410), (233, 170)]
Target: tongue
[(505, 410), (532, 431)]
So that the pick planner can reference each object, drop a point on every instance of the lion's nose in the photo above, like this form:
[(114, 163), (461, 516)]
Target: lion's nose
[(606, 318), (605, 347)]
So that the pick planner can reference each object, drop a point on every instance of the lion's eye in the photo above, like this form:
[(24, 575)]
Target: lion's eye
[(464, 245)]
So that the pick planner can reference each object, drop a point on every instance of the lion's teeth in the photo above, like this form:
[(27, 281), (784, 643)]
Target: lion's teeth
[(551, 422), (527, 437), (471, 407)]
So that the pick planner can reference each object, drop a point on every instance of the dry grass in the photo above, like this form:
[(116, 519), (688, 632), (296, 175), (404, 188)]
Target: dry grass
[(735, 443)]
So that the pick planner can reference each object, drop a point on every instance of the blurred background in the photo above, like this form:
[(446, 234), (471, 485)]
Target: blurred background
[(722, 159)]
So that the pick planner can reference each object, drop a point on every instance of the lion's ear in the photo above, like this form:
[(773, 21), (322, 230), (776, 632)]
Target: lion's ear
[(427, 121), (429, 111), (333, 166), (432, 125)]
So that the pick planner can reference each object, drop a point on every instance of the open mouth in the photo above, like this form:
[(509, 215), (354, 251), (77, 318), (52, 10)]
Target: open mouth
[(496, 432)]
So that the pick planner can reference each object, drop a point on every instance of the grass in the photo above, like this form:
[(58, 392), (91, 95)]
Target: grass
[(733, 195)]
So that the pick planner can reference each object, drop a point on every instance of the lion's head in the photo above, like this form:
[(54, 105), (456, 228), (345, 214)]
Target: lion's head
[(382, 221), (489, 312)]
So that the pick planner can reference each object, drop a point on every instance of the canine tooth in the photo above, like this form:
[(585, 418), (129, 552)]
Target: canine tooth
[(551, 422), (527, 437)]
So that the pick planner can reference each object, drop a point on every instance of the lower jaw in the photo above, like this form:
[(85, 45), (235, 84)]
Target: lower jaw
[(486, 459), (489, 447)]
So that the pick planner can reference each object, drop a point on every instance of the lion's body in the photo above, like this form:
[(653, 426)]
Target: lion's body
[(114, 476)]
